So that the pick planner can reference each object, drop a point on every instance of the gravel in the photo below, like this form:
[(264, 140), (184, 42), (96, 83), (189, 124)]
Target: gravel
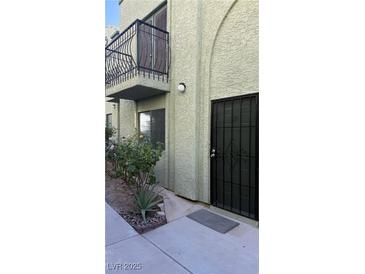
[(120, 197)]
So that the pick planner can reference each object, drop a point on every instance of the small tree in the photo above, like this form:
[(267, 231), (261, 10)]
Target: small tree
[(134, 159)]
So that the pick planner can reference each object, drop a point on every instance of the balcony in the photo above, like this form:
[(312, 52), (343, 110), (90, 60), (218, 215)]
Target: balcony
[(137, 63)]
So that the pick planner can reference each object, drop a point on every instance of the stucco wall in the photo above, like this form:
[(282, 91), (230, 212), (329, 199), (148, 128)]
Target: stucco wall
[(237, 41), (185, 48), (229, 66), (128, 122), (136, 9), (211, 20), (214, 51), (152, 103)]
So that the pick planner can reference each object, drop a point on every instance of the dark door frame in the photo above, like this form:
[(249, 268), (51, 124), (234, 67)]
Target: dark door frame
[(256, 145)]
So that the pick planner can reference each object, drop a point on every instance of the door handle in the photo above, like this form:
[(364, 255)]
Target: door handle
[(212, 153)]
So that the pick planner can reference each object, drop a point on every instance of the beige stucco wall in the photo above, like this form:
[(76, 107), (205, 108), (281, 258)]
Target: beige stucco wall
[(212, 19), (128, 119), (185, 49), (237, 41), (136, 9), (153, 103)]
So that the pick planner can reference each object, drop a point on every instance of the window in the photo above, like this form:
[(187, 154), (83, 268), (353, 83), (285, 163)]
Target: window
[(152, 125), (158, 18), (152, 42), (108, 120)]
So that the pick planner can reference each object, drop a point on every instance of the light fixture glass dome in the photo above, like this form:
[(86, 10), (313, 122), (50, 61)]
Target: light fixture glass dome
[(181, 87)]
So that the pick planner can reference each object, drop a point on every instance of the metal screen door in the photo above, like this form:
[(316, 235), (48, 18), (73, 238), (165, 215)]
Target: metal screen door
[(234, 155)]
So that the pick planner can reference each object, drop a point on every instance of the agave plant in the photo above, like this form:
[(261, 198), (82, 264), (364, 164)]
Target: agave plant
[(146, 200)]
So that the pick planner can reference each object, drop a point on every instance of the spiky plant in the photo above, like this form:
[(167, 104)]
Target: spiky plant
[(146, 200)]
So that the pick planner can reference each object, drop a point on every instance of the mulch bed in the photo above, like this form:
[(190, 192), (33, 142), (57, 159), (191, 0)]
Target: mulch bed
[(120, 197)]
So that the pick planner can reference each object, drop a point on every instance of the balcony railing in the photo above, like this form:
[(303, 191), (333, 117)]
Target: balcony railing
[(141, 49)]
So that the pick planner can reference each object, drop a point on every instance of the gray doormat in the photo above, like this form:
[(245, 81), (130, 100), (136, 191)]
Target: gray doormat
[(213, 221)]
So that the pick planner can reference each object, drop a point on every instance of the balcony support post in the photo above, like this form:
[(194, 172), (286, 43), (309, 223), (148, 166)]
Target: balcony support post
[(138, 46)]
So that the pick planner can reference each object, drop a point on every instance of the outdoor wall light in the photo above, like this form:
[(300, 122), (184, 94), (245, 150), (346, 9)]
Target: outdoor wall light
[(181, 87)]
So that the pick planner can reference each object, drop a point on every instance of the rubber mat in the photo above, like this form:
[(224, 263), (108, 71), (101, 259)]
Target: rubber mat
[(213, 221)]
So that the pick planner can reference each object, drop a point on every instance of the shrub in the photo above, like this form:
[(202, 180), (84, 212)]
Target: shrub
[(109, 132), (146, 200), (134, 159)]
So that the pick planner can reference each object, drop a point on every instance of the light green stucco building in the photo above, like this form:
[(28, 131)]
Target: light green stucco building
[(210, 129)]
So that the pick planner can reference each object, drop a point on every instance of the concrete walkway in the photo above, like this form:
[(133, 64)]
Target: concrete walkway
[(125, 247), (181, 246)]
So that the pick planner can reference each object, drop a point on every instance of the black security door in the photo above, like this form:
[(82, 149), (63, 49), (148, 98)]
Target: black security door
[(234, 155)]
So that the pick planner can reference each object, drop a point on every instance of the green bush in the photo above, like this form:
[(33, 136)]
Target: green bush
[(109, 132), (146, 200), (134, 159)]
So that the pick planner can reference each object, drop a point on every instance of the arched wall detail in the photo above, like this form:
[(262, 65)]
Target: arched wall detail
[(204, 135), (214, 42), (218, 80), (234, 58)]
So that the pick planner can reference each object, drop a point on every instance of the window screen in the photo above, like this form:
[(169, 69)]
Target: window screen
[(152, 125)]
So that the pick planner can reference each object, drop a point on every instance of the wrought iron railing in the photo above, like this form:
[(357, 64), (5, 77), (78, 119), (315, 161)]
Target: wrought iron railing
[(141, 49)]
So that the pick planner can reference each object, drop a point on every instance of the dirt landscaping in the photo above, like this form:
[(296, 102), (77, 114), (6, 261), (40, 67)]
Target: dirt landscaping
[(121, 198)]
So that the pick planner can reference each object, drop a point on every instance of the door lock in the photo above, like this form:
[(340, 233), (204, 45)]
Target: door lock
[(212, 153)]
